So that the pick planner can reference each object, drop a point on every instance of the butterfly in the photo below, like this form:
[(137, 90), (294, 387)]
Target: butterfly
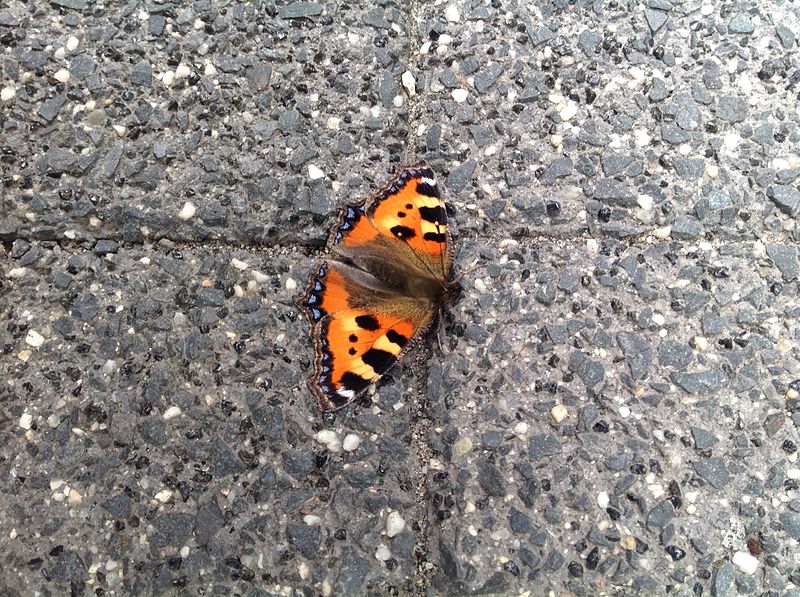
[(391, 275)]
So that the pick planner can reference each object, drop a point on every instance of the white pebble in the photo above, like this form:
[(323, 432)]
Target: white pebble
[(732, 141), (120, 130), (182, 71), (187, 211), (171, 412), (7, 93), (329, 439), (74, 498), (394, 524), (520, 429), (706, 9), (462, 446), (210, 70), (72, 43), (290, 284), (745, 562), (312, 520), (556, 140), (445, 39), (62, 75), (780, 164), (700, 343), (636, 74), (603, 499), (34, 338), (624, 412), (558, 413), (168, 78), (325, 436), (569, 111), (645, 201), (662, 232), (333, 123), (460, 95), (238, 264), (658, 319), (409, 83), (60, 53), (451, 14), (26, 420), (641, 137), (480, 285), (314, 173), (164, 495), (382, 553), (351, 442)]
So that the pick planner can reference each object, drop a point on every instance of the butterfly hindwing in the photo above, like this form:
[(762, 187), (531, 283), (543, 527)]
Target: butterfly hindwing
[(359, 331)]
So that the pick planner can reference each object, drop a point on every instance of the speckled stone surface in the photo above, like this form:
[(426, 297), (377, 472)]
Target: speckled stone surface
[(613, 405)]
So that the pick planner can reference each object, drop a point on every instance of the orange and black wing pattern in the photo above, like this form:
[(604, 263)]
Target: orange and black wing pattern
[(357, 338), (363, 321), (406, 219)]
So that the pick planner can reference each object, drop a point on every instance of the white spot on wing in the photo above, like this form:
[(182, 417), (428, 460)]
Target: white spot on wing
[(428, 181), (349, 394)]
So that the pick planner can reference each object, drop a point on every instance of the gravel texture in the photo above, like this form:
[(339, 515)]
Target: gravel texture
[(613, 405)]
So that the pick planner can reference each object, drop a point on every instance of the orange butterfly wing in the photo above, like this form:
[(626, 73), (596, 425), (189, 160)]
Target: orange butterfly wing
[(406, 219), (359, 331), (361, 324)]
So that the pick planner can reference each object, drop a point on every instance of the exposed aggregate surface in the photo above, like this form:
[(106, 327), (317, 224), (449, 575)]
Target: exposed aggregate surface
[(613, 405)]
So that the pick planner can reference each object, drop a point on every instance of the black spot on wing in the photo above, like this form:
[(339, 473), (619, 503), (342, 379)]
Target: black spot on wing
[(352, 338), (396, 338), (435, 237), (367, 322), (379, 360), (435, 215), (423, 188), (402, 231), (354, 382)]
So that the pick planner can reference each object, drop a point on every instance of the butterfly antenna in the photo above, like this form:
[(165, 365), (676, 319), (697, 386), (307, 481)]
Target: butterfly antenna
[(440, 331)]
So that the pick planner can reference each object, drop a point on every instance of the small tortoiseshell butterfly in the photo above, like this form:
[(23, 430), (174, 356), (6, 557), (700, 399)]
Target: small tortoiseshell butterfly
[(392, 274)]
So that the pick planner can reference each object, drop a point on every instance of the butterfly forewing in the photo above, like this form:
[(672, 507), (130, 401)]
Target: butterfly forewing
[(411, 211)]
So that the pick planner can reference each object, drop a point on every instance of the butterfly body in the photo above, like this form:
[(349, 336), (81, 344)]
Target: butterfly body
[(391, 276)]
